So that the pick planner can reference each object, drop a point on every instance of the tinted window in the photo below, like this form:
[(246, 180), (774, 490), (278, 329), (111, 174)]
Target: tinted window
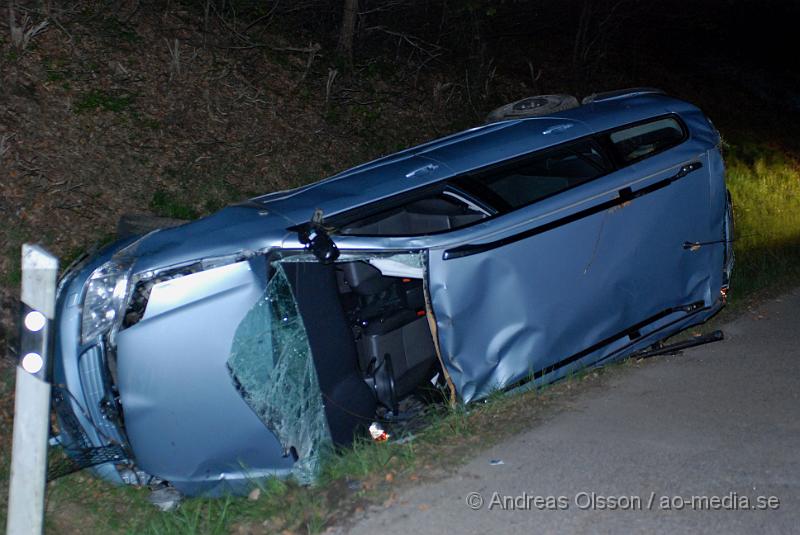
[(544, 174), (637, 142)]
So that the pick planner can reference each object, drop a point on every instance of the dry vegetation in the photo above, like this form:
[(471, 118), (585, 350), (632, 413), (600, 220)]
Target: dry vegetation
[(140, 112)]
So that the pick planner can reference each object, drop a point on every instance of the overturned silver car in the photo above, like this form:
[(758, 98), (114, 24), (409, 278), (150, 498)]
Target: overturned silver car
[(246, 343)]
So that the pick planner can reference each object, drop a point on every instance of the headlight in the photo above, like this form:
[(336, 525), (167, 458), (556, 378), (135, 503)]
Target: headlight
[(104, 302)]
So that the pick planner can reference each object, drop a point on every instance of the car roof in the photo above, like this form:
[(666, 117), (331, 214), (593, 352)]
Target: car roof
[(468, 150)]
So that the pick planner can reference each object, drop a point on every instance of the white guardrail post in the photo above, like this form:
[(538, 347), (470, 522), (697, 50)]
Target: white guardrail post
[(32, 397)]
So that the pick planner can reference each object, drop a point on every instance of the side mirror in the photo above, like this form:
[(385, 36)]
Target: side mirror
[(317, 240), (321, 245)]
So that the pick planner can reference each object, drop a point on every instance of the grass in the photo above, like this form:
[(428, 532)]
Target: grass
[(765, 185), (102, 100), (164, 204), (196, 192)]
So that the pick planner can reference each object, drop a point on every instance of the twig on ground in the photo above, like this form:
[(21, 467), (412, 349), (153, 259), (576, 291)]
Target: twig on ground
[(429, 49), (22, 34), (175, 59), (314, 49), (332, 74), (4, 144)]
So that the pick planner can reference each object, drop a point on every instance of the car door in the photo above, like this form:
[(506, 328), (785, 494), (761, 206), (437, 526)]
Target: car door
[(587, 261)]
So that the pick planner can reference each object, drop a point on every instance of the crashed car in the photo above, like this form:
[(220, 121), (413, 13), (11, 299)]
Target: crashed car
[(245, 344)]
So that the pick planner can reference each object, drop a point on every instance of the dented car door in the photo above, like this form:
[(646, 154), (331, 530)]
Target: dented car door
[(581, 275)]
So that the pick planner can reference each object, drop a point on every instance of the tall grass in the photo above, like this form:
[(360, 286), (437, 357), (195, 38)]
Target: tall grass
[(765, 186)]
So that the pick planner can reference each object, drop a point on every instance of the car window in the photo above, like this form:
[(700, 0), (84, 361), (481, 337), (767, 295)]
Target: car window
[(637, 142), (428, 215), (507, 186), (542, 175)]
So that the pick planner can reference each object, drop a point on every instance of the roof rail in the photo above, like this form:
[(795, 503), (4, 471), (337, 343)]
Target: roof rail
[(620, 93)]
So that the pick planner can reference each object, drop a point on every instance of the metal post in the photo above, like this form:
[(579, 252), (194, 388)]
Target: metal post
[(32, 401)]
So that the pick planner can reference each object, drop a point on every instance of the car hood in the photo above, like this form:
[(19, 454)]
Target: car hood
[(235, 229)]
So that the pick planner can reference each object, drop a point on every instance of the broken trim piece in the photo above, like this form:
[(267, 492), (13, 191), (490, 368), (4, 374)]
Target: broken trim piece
[(624, 195), (390, 267), (435, 334)]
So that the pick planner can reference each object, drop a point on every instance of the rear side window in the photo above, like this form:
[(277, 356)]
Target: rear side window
[(542, 175), (636, 142)]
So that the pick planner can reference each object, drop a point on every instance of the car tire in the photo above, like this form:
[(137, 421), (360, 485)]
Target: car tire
[(135, 224), (533, 107)]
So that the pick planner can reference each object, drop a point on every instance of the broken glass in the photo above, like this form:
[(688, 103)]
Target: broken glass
[(273, 368)]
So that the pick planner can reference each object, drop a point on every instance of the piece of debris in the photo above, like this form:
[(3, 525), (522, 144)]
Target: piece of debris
[(377, 433), (254, 495), (496, 462), (390, 501), (354, 485), (405, 439), (166, 498)]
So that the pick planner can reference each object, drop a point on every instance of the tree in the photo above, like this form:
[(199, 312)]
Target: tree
[(347, 31)]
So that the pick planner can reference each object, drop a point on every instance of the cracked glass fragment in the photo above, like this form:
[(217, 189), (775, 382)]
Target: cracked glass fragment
[(272, 366)]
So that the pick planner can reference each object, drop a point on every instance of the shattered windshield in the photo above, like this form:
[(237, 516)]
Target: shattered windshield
[(273, 369)]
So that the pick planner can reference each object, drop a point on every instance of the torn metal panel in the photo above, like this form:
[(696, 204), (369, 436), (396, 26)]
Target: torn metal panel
[(431, 316), (273, 368), (404, 265)]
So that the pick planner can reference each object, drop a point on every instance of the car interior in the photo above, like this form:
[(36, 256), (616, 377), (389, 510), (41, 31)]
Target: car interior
[(388, 319), (437, 213), (369, 338)]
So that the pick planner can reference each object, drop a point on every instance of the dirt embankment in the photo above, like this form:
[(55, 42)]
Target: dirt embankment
[(111, 112)]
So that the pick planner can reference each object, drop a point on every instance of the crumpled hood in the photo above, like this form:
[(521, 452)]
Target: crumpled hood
[(243, 227)]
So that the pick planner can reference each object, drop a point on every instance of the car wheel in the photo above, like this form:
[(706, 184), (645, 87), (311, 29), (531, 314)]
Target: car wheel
[(135, 224), (532, 107)]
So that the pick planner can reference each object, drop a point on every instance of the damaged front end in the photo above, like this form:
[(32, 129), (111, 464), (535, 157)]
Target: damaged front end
[(216, 372)]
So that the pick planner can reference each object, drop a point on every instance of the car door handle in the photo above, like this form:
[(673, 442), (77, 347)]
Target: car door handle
[(688, 168), (629, 195)]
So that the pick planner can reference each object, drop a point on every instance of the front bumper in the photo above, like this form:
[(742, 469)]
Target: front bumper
[(83, 391)]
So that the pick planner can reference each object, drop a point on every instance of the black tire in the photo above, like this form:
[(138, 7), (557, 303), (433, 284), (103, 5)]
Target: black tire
[(533, 107), (136, 224)]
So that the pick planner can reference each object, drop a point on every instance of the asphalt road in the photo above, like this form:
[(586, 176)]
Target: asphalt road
[(719, 423)]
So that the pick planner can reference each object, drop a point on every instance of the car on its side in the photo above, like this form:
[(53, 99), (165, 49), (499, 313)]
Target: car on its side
[(244, 344)]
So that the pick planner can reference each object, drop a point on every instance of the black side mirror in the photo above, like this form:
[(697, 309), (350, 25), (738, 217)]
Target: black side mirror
[(317, 240)]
